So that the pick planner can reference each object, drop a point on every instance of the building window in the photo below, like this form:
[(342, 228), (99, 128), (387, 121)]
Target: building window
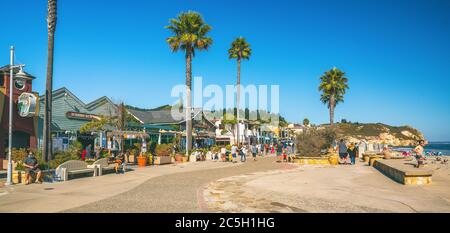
[(19, 84), (2, 81)]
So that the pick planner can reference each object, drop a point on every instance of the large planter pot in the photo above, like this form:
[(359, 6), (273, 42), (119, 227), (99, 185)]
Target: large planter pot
[(184, 159), (17, 176), (178, 158), (23, 178), (367, 155), (142, 161), (366, 158)]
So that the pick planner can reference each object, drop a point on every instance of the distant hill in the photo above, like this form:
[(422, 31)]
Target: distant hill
[(379, 133)]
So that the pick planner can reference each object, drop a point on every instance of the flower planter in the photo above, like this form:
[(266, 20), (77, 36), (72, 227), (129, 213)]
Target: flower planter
[(160, 160), (178, 158), (184, 159), (142, 161)]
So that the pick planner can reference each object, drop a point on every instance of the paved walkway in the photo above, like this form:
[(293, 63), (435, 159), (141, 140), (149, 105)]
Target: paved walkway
[(181, 192), (357, 188), (261, 186), (60, 196)]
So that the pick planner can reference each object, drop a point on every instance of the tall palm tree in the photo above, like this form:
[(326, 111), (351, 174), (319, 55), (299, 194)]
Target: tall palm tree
[(189, 34), (51, 24), (239, 50), (333, 85)]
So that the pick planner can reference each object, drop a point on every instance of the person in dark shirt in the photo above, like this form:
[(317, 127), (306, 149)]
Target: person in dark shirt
[(343, 153), (31, 168), (352, 151)]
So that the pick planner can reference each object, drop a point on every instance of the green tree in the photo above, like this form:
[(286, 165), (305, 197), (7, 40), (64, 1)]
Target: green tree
[(239, 50), (189, 33), (51, 26), (306, 122), (333, 85)]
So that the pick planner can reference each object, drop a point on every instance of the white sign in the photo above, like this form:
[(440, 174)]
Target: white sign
[(27, 105)]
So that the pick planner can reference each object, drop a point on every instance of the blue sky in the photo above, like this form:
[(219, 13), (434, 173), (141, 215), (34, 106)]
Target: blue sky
[(396, 53)]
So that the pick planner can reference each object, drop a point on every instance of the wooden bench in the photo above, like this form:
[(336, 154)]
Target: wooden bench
[(73, 168), (403, 171)]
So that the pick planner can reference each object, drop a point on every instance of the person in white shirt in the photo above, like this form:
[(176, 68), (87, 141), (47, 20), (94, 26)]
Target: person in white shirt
[(234, 150)]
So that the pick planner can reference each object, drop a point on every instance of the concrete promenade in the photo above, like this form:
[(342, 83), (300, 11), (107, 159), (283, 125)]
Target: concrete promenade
[(254, 186)]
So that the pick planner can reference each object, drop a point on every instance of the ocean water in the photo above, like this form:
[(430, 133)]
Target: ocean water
[(443, 147)]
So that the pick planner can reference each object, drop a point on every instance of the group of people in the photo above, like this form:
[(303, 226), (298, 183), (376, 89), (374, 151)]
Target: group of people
[(284, 150), (87, 155), (347, 154)]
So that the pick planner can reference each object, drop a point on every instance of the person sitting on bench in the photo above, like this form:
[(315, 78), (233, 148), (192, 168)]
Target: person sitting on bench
[(119, 163), (31, 168)]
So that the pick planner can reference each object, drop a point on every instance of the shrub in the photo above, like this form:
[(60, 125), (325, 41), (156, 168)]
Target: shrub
[(20, 167), (64, 156), (152, 147), (312, 142), (163, 150), (18, 155)]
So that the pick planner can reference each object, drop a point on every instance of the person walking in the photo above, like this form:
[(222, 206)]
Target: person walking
[(342, 148), (254, 152), (243, 153), (352, 152), (266, 149), (279, 150), (223, 153), (88, 152), (234, 150), (260, 149), (83, 154)]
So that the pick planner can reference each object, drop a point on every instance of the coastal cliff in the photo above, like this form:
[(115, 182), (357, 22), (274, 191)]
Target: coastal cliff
[(379, 133)]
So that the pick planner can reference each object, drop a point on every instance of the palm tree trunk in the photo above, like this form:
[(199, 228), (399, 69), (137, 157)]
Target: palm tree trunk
[(47, 139), (332, 106), (188, 102), (238, 99)]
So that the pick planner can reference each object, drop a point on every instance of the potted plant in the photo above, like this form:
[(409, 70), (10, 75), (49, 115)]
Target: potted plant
[(142, 160), (179, 157)]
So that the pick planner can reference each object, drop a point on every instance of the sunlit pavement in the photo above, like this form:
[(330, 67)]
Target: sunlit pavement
[(55, 197), (181, 192), (313, 188)]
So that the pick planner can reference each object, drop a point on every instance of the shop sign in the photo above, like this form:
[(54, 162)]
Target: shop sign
[(27, 104), (81, 116)]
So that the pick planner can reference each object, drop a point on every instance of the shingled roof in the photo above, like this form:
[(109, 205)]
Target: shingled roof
[(160, 116), (5, 69)]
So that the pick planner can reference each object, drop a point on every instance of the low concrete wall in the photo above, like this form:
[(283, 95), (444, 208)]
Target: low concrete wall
[(403, 172), (312, 160)]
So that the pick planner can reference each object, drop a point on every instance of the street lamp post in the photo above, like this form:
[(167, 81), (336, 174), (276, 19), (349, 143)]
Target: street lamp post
[(11, 80)]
